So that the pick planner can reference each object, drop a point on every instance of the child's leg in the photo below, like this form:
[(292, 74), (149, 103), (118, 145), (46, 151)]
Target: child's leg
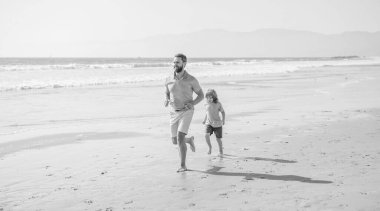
[(219, 140), (218, 134), (207, 136)]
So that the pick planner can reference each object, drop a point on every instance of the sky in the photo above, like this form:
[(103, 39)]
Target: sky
[(46, 27)]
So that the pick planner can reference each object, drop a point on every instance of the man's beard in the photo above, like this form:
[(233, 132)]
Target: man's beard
[(178, 69)]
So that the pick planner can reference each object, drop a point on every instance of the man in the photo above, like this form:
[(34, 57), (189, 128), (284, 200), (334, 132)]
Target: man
[(179, 95)]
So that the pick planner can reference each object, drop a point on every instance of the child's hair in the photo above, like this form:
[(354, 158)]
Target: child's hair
[(212, 93)]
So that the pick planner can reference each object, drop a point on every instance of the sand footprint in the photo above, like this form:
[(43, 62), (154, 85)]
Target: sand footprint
[(87, 201)]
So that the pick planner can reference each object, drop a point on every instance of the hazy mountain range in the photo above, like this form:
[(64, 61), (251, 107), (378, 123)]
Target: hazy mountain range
[(259, 43)]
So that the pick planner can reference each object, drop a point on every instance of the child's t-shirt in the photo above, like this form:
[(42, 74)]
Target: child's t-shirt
[(212, 112)]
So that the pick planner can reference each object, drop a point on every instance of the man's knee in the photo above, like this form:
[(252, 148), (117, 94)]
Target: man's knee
[(181, 137)]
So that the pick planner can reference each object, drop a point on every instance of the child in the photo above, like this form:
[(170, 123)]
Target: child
[(212, 121)]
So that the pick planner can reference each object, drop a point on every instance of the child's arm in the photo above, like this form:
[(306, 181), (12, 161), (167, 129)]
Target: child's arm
[(223, 116), (223, 113), (204, 120)]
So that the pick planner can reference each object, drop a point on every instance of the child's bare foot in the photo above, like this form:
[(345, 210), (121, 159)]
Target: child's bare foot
[(182, 169), (220, 154), (209, 152), (191, 143)]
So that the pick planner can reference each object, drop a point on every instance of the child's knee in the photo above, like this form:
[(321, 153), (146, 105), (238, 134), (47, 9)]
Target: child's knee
[(207, 135)]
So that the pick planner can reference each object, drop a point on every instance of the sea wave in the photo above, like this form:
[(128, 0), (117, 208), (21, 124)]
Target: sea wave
[(126, 66), (73, 66), (78, 82), (81, 75), (90, 64)]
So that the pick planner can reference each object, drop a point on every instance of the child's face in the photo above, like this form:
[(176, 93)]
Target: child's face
[(210, 99)]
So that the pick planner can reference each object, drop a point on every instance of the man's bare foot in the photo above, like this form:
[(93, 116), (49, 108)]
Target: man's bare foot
[(191, 143), (182, 169)]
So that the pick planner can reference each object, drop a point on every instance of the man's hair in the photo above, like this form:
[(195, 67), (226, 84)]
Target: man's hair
[(182, 56), (212, 93)]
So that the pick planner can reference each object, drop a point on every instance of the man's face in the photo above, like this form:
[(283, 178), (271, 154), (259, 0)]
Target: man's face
[(178, 64)]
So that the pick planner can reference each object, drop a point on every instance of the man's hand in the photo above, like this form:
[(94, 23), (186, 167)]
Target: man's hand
[(189, 106)]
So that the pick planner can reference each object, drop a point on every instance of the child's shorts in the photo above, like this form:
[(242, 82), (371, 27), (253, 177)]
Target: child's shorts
[(217, 130)]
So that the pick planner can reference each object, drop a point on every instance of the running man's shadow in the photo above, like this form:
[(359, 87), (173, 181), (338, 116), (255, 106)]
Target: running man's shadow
[(215, 170), (258, 158)]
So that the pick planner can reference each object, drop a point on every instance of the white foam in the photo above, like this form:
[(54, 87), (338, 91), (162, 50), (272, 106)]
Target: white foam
[(23, 77)]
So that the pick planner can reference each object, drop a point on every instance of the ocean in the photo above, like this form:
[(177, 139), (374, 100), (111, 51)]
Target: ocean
[(18, 74)]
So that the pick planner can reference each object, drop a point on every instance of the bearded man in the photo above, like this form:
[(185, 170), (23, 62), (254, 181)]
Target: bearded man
[(179, 89)]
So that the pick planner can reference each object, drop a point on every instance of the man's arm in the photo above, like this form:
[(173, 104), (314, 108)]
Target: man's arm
[(198, 99), (167, 96)]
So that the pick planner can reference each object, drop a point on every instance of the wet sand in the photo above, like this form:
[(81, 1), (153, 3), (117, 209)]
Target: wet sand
[(306, 140)]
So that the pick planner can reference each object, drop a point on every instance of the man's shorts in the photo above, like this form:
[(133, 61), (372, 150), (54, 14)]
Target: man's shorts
[(180, 121), (217, 130)]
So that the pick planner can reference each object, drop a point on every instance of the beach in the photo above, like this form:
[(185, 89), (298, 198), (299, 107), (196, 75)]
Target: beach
[(301, 140)]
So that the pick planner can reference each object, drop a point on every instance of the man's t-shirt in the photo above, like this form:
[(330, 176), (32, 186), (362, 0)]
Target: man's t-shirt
[(181, 90)]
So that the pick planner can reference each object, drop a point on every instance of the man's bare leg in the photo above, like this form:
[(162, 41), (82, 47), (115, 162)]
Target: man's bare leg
[(182, 151), (175, 142)]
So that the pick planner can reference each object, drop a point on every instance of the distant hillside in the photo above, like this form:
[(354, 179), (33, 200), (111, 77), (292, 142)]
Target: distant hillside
[(259, 43)]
